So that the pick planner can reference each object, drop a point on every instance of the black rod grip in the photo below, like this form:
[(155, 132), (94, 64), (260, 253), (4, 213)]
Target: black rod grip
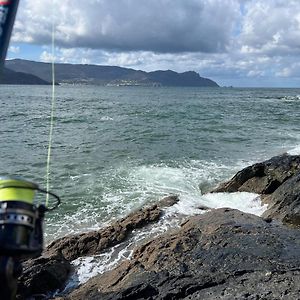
[(8, 11)]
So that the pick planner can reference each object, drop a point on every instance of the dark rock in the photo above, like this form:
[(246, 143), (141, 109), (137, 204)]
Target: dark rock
[(43, 274), (94, 242), (256, 285), (168, 201), (264, 177), (203, 207), (284, 203), (223, 254)]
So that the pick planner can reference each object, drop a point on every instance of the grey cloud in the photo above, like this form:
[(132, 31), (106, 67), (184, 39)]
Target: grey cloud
[(163, 26)]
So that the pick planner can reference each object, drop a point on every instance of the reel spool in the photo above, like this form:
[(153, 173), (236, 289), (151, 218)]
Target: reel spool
[(21, 221)]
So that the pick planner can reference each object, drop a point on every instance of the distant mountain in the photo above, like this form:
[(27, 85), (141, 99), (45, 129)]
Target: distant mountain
[(171, 78), (11, 77), (108, 75)]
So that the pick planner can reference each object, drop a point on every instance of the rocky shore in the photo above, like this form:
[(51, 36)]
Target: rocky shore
[(221, 254)]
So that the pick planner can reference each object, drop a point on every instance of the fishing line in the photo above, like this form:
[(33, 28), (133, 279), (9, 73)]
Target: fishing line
[(53, 100)]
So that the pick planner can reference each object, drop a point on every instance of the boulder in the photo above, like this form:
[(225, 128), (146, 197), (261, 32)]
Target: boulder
[(42, 275), (223, 254), (284, 203), (264, 177)]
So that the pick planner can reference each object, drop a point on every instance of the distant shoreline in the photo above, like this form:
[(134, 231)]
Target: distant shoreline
[(103, 75)]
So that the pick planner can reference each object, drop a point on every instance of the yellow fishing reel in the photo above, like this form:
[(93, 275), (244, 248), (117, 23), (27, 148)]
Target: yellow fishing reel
[(21, 220)]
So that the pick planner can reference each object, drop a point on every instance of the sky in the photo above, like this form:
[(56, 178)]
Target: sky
[(242, 43)]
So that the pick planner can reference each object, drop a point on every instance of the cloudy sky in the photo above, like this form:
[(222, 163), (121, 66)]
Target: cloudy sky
[(234, 42)]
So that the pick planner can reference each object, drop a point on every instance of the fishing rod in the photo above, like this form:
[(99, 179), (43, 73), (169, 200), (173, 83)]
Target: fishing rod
[(8, 11), (21, 217)]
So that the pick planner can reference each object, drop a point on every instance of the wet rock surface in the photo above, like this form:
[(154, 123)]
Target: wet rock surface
[(223, 254), (284, 203), (94, 242), (50, 271)]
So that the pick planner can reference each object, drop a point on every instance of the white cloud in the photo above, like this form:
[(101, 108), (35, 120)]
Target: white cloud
[(271, 27), (73, 55), (47, 57), (255, 73), (14, 49), (293, 70), (285, 72)]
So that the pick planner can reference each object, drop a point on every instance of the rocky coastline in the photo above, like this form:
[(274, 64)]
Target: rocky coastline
[(220, 254)]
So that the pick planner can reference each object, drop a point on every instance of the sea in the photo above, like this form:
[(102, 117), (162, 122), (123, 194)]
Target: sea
[(116, 149)]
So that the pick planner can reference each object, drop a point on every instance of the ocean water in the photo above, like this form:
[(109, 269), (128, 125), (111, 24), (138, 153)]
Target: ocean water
[(116, 149)]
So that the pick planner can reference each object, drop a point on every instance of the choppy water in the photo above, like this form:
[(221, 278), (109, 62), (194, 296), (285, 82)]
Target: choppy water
[(117, 148)]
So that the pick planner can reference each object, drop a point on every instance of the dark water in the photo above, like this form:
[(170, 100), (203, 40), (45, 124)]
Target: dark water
[(116, 148)]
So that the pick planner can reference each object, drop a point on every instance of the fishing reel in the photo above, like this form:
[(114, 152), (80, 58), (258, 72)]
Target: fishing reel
[(21, 220)]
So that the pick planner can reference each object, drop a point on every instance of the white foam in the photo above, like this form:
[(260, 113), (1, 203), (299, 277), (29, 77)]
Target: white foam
[(106, 118), (294, 151), (88, 267), (125, 188), (186, 182), (187, 178), (291, 98), (246, 202), (77, 177)]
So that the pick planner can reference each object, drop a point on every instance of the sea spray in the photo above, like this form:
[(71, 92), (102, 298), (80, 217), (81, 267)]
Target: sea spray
[(121, 190)]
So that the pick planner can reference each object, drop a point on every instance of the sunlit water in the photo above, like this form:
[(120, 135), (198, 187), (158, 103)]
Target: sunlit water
[(118, 148)]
